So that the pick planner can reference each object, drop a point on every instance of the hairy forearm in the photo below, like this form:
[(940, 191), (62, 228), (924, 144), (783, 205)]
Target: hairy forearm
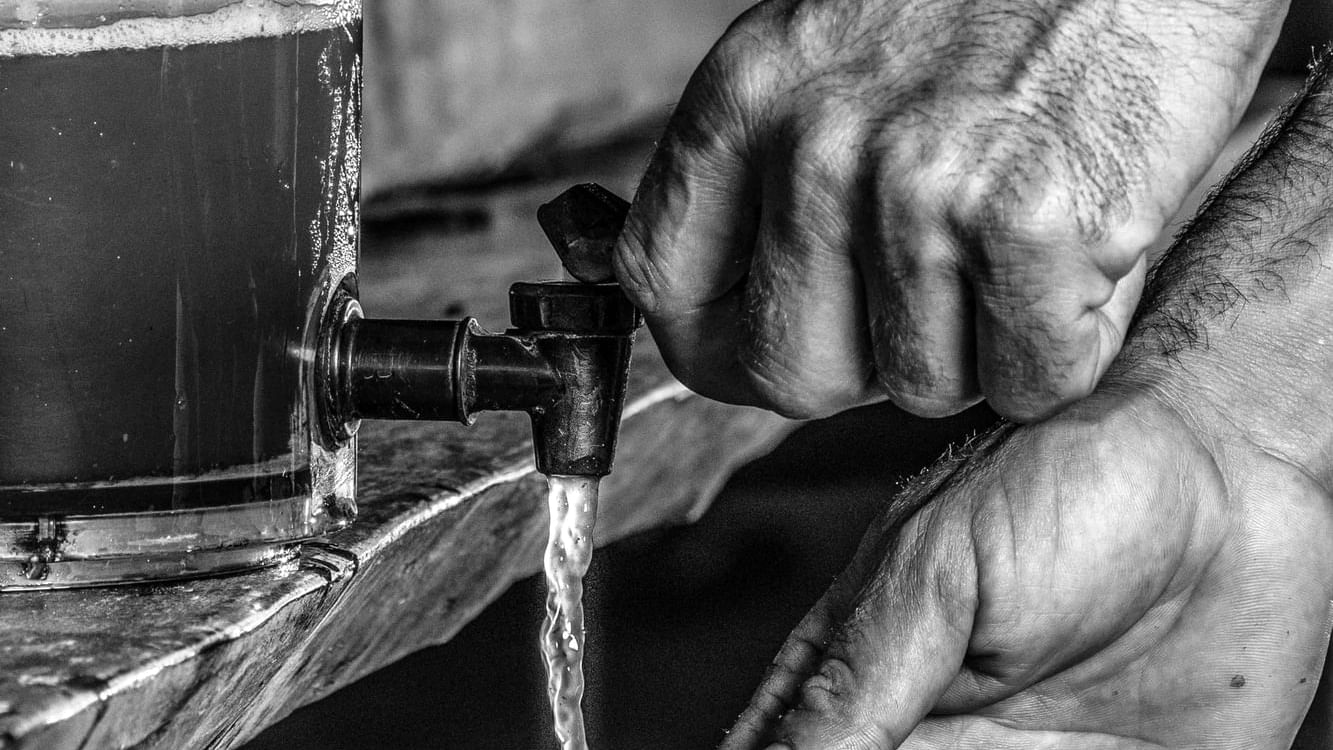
[(1236, 325)]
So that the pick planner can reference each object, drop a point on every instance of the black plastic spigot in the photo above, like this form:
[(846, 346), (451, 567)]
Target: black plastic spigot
[(584, 332), (564, 361)]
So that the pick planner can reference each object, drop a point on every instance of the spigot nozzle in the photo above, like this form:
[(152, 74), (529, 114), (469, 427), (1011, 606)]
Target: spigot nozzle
[(585, 332), (565, 361)]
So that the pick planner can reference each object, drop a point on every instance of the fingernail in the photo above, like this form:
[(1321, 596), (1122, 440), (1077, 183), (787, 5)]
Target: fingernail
[(778, 746)]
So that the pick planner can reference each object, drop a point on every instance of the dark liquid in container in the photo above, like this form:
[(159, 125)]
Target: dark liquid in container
[(168, 219)]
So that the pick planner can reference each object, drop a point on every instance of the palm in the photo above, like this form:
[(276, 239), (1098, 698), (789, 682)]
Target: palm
[(1132, 588)]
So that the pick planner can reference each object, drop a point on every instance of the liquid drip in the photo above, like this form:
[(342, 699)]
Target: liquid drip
[(573, 507)]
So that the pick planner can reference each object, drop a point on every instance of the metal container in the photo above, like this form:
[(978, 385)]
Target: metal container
[(178, 203)]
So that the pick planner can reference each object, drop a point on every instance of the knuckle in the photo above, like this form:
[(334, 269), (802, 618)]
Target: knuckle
[(917, 377), (830, 688), (825, 134), (913, 384), (810, 209), (914, 242), (768, 701), (815, 31), (792, 389), (762, 19), (792, 402), (912, 261), (835, 711), (1001, 221), (998, 219), (743, 63), (1125, 247), (799, 652)]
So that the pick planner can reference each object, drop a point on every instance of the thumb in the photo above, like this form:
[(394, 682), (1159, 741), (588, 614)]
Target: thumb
[(865, 679), (684, 253)]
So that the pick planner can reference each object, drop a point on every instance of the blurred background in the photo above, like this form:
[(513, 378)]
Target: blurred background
[(475, 112)]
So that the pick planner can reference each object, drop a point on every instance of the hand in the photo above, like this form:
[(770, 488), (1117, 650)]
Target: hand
[(1149, 568), (1108, 579), (930, 199)]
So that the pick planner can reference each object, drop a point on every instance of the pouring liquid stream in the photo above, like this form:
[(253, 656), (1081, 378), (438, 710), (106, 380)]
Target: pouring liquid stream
[(573, 508)]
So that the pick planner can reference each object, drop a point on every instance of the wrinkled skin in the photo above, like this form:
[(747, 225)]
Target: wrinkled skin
[(1149, 568), (1107, 579), (933, 200)]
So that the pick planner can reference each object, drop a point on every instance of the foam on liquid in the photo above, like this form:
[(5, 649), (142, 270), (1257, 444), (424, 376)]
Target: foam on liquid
[(573, 507), (201, 22)]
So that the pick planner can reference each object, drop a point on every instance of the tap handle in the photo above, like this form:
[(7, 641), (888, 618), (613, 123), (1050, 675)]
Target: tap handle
[(585, 329), (582, 224)]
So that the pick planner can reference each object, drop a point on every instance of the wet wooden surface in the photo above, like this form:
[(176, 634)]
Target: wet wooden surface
[(450, 516)]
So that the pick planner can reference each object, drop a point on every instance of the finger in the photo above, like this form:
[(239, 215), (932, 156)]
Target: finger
[(807, 350), (922, 320), (688, 239), (1049, 322), (901, 646), (807, 645), (1117, 314), (798, 659)]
